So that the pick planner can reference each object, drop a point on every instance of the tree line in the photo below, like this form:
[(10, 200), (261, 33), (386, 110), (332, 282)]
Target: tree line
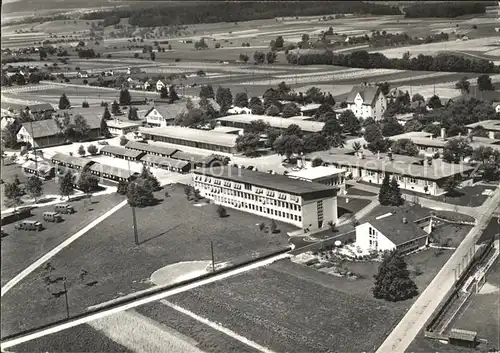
[(446, 9), (224, 11), (363, 59)]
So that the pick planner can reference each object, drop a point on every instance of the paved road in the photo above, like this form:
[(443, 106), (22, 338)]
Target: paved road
[(404, 333)]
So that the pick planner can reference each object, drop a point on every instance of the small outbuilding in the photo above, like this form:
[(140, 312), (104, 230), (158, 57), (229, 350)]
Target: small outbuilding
[(463, 338)]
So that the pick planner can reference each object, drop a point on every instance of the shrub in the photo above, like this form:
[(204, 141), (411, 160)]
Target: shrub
[(92, 149), (123, 141), (221, 211)]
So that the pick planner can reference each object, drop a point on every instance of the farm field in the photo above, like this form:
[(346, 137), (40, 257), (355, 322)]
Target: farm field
[(108, 254)]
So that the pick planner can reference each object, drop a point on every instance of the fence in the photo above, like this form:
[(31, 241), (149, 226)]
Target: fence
[(344, 237)]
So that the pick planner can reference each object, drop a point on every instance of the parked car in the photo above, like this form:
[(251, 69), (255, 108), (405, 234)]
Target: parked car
[(103, 143), (52, 217), (64, 208), (29, 225)]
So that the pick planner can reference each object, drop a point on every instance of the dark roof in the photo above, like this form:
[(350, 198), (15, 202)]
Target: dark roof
[(169, 111), (92, 116), (42, 167), (395, 230), (192, 157), (465, 335), (42, 128), (150, 148), (269, 181), (164, 161), (121, 151), (40, 108), (78, 161), (368, 93), (104, 168)]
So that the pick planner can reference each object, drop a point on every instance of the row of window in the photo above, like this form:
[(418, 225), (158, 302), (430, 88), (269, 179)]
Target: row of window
[(248, 196), (253, 207)]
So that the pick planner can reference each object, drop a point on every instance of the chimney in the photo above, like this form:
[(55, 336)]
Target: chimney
[(378, 154), (443, 133), (360, 154), (405, 220)]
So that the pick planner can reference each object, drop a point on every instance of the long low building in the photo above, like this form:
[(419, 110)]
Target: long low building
[(324, 175), (205, 139), (301, 203), (174, 165), (242, 120), (411, 172), (111, 172), (151, 149), (72, 162), (122, 152), (491, 126)]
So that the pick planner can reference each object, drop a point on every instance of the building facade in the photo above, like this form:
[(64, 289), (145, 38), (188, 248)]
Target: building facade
[(306, 205), (367, 101)]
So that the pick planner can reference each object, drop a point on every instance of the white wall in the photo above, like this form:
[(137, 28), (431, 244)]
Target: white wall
[(363, 239), (154, 117)]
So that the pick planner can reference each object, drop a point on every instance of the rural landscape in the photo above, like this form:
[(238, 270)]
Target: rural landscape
[(235, 176)]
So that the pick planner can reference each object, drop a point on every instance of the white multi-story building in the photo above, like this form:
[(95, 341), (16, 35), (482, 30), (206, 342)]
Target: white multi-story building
[(301, 203), (367, 101), (330, 176)]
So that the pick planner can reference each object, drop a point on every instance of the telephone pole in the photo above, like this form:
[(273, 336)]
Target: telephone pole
[(33, 144), (134, 219), (213, 258)]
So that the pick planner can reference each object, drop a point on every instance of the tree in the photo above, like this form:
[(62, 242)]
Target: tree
[(248, 144), (104, 128), (92, 150), (395, 198), (289, 110), (12, 192), (350, 123), (164, 92), (417, 97), (125, 98), (271, 57), (243, 57), (257, 127), (279, 42), (66, 185), (122, 188), (201, 44), (85, 104), (405, 147), (207, 91), (139, 195), (115, 108), (241, 100), (323, 109), (413, 125), (316, 162), (64, 102), (272, 110), (391, 127), (272, 135), (34, 187), (106, 115), (257, 108), (152, 56), (287, 145), (43, 54), (172, 94), (259, 57), (87, 182), (81, 150), (450, 184), (9, 134), (221, 211), (484, 83), (123, 141), (356, 146), (393, 282), (463, 85), (294, 129), (456, 150), (315, 142), (80, 127), (384, 193), (372, 133), (224, 98), (273, 227), (331, 128), (434, 102), (149, 181), (132, 113)]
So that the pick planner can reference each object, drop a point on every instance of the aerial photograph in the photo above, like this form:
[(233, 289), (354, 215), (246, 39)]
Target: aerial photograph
[(250, 176)]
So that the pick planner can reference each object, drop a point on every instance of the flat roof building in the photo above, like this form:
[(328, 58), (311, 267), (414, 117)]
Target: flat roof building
[(205, 139), (151, 148), (330, 176), (492, 126), (175, 165), (304, 204), (120, 128), (122, 152), (242, 120)]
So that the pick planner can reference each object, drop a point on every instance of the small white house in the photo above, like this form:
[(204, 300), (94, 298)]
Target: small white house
[(496, 106), (82, 74), (390, 231), (238, 110), (367, 101), (160, 84)]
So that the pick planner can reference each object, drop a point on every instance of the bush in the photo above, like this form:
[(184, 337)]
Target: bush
[(123, 141), (221, 211), (92, 149)]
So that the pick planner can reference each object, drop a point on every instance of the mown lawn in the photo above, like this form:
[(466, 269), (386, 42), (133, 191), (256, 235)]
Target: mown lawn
[(288, 314), (21, 248), (174, 230), (491, 230), (209, 339), (82, 338)]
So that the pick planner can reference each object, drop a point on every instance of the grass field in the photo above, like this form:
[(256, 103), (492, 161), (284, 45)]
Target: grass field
[(170, 232), (82, 338), (491, 230)]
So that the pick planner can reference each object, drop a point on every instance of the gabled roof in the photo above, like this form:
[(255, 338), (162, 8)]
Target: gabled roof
[(121, 151), (164, 161), (67, 159), (92, 116), (110, 170), (168, 111), (490, 125), (150, 148), (394, 229), (193, 135), (368, 93), (40, 108), (192, 157), (42, 128)]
